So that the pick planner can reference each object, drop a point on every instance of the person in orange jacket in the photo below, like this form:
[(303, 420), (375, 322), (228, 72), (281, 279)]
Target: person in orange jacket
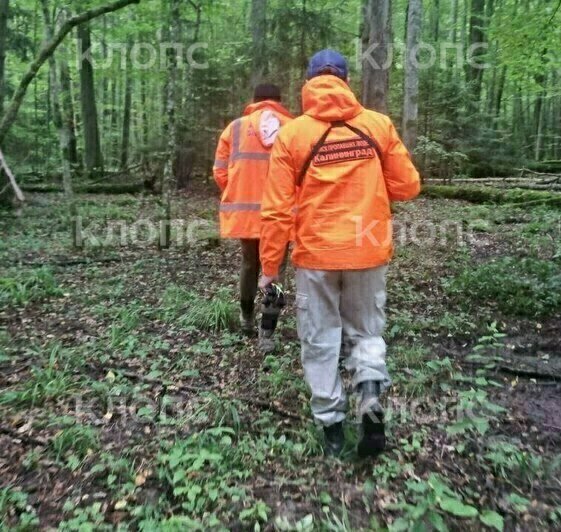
[(240, 168), (338, 166)]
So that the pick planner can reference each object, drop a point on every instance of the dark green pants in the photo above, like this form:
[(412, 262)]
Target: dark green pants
[(250, 274)]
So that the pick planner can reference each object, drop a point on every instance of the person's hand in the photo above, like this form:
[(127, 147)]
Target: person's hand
[(266, 280)]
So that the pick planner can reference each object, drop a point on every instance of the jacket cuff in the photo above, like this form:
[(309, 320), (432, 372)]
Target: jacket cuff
[(270, 270)]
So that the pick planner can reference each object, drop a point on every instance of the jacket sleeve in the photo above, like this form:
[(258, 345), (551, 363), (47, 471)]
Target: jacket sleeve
[(401, 177), (277, 216), (220, 168)]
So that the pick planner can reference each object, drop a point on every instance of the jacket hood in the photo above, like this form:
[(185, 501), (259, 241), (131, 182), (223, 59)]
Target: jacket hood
[(264, 120), (271, 105), (329, 98)]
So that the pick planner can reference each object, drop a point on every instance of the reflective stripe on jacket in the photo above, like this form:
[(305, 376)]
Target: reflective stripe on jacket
[(343, 219), (240, 169)]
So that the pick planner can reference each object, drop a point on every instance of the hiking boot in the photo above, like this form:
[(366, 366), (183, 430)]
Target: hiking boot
[(247, 324), (334, 439), (266, 342), (372, 434)]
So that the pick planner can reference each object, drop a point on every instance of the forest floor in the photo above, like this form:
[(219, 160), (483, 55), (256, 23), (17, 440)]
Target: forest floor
[(129, 400)]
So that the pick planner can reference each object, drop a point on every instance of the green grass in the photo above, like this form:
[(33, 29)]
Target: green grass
[(15, 511), (45, 383), (483, 194), (73, 443), (27, 286), (188, 309), (516, 286)]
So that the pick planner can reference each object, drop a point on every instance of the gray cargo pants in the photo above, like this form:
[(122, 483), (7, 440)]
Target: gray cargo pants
[(340, 310)]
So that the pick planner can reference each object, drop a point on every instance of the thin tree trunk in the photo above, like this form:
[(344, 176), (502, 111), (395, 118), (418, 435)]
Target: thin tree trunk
[(411, 83), (539, 120), (377, 54), (435, 20), (43, 55), (61, 126), (93, 159), (258, 22), (144, 116), (500, 91), (474, 75), (4, 11), (67, 108), (127, 114), (11, 181), (453, 22), (168, 184)]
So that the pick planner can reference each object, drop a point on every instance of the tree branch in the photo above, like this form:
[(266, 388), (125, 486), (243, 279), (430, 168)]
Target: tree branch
[(45, 52), (11, 179)]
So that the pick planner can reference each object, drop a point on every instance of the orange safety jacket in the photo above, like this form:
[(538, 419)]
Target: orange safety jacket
[(240, 168), (338, 166)]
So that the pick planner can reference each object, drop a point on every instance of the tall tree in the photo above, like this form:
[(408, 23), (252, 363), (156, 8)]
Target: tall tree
[(474, 73), (55, 93), (127, 112), (43, 55), (411, 79), (168, 184), (66, 99), (377, 54), (4, 9), (93, 158), (258, 21)]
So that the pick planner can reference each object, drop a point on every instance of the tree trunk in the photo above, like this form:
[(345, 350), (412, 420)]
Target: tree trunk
[(377, 54), (258, 22), (453, 22), (474, 75), (127, 114), (11, 182), (60, 125), (411, 80), (144, 115), (93, 159), (67, 109), (4, 9), (435, 20), (168, 184), (43, 55)]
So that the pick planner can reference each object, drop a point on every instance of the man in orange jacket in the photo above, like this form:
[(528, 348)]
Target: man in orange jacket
[(337, 166), (240, 168)]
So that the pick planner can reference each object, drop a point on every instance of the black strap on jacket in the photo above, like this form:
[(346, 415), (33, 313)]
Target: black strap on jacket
[(320, 143)]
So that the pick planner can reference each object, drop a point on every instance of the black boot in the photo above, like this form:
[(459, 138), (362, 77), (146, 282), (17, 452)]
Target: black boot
[(372, 438), (334, 439)]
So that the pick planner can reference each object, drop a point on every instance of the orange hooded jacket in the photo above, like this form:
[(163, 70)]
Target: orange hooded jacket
[(241, 164), (343, 219)]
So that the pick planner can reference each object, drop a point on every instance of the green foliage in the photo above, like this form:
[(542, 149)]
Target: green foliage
[(516, 286), (475, 412), (86, 519), (437, 160), (477, 194), (45, 383), (74, 443), (15, 512), (188, 309), (430, 500), (204, 469), (27, 286)]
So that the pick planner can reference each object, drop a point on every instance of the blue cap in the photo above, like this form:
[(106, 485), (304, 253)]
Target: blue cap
[(328, 62)]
